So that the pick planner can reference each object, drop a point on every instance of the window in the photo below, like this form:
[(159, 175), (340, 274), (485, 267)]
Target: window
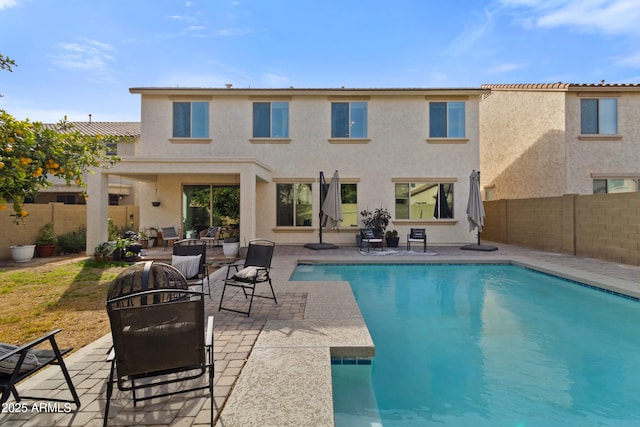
[(112, 149), (67, 199), (615, 185), (349, 195), (348, 119), (271, 120), (207, 205), (446, 120), (424, 200), (599, 116), (190, 119), (294, 202)]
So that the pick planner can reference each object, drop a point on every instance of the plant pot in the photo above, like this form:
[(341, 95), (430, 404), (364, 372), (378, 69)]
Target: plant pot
[(144, 243), (392, 242), (231, 250), (22, 253), (152, 242), (45, 251)]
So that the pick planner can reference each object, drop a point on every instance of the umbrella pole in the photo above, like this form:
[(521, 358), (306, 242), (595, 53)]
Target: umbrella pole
[(321, 211)]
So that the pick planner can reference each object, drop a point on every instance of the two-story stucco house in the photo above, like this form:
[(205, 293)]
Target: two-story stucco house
[(542, 140), (410, 151)]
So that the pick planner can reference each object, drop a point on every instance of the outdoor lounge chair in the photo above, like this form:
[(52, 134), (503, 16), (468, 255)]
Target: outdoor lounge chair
[(367, 236), (169, 235), (158, 331), (211, 235), (17, 363), (191, 260), (417, 235), (255, 270)]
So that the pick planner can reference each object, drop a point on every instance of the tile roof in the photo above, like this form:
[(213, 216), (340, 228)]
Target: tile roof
[(560, 86), (104, 128)]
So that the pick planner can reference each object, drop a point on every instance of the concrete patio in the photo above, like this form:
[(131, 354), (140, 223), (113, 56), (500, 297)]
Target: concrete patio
[(273, 368)]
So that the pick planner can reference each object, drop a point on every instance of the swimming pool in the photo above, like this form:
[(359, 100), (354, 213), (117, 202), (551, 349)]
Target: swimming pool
[(486, 345)]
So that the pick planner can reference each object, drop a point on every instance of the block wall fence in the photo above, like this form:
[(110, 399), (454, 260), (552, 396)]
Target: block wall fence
[(65, 218), (603, 226)]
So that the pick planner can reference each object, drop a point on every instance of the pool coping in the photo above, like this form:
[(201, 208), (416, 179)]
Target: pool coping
[(287, 378)]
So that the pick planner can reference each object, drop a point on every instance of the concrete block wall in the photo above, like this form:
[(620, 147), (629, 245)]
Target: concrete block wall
[(65, 218), (603, 226)]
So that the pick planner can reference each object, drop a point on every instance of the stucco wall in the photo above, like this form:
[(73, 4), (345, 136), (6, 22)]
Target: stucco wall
[(604, 226), (396, 148), (602, 156), (522, 143)]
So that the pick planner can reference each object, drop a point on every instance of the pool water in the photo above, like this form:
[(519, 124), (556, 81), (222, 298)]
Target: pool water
[(486, 345)]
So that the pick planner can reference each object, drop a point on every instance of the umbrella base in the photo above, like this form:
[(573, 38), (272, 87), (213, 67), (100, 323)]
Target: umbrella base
[(476, 247), (320, 246)]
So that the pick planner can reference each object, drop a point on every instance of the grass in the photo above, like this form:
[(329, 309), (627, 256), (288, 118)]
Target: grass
[(69, 295)]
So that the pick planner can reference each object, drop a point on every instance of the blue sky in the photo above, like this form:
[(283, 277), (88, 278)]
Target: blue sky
[(80, 57)]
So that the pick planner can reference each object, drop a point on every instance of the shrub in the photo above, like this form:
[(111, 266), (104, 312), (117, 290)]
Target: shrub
[(74, 242)]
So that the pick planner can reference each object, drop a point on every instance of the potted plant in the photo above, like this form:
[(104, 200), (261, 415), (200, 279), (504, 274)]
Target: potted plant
[(46, 241), (378, 220), (102, 251), (231, 244), (392, 238)]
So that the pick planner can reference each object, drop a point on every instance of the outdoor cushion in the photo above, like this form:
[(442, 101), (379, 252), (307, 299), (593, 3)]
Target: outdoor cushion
[(248, 273), (8, 365), (417, 233), (211, 232), (189, 265)]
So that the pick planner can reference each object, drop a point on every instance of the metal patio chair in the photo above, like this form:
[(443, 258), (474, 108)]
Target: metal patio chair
[(158, 331), (183, 254), (255, 270)]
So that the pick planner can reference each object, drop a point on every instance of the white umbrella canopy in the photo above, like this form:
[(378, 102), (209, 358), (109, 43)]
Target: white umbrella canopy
[(332, 205), (475, 208), (475, 213)]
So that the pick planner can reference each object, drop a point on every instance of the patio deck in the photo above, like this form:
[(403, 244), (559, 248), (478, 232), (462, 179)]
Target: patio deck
[(273, 368)]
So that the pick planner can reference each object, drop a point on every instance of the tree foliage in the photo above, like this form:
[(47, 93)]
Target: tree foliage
[(31, 155)]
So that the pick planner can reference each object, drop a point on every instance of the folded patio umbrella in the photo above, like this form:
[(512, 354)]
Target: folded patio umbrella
[(332, 206)]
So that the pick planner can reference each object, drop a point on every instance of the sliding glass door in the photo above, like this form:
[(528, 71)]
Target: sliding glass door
[(207, 205)]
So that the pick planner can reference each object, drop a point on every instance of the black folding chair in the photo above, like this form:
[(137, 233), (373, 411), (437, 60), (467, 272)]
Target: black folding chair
[(255, 270), (202, 274), (18, 363), (158, 331)]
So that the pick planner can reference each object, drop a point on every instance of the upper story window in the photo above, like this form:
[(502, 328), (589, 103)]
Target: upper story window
[(424, 200), (190, 119), (271, 120), (599, 116), (446, 120), (348, 119)]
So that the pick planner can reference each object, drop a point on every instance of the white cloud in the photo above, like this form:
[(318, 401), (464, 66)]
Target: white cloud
[(503, 68), (275, 81), (472, 33), (6, 4), (90, 55), (632, 60), (603, 16)]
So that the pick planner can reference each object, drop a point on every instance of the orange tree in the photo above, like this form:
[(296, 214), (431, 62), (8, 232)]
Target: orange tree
[(32, 154)]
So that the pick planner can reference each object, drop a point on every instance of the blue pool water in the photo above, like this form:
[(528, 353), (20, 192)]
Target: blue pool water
[(486, 345)]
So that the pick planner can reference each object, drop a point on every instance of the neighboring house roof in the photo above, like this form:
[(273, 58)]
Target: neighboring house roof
[(104, 128), (562, 86)]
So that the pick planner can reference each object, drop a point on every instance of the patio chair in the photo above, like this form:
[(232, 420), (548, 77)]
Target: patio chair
[(367, 236), (255, 270), (211, 235), (17, 363), (417, 235), (158, 331), (169, 235), (191, 260)]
